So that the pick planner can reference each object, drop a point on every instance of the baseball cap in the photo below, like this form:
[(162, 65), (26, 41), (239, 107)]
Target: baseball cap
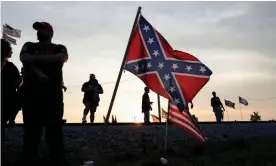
[(43, 25)]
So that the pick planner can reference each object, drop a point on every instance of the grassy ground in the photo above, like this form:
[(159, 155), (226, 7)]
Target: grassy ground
[(251, 152)]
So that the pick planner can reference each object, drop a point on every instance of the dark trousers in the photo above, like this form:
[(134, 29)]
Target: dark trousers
[(4, 120), (7, 110), (146, 116), (43, 108)]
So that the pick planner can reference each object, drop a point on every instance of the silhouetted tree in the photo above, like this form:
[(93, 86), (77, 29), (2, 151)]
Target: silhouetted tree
[(255, 117)]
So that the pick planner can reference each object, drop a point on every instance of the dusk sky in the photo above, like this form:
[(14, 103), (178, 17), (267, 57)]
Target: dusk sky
[(236, 40)]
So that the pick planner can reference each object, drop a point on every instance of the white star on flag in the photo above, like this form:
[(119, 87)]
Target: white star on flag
[(176, 101), (146, 28), (136, 68), (167, 77), (150, 40), (174, 66), (161, 65), (155, 53), (202, 69), (149, 65), (188, 67), (172, 89)]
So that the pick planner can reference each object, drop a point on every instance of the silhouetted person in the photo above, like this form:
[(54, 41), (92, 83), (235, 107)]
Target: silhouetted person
[(43, 62), (217, 107), (146, 105), (91, 98), (10, 80), (18, 102)]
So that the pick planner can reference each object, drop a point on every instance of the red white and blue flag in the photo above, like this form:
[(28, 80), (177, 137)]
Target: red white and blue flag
[(243, 101), (185, 120), (175, 75), (155, 119)]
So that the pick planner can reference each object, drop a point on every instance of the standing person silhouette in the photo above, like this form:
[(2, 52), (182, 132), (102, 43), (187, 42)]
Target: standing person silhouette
[(43, 107), (10, 81), (91, 97), (217, 107), (146, 105)]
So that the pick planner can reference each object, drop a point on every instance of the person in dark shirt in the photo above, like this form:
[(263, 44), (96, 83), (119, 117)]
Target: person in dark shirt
[(43, 105), (91, 98), (146, 105), (10, 80), (217, 107)]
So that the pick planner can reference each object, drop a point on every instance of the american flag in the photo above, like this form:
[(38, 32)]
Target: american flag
[(11, 31), (184, 120), (229, 104), (175, 75), (164, 114), (243, 101), (155, 118)]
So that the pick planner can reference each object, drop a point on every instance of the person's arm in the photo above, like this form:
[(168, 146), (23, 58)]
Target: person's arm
[(26, 57), (85, 88), (212, 104), (100, 89), (221, 105), (16, 75)]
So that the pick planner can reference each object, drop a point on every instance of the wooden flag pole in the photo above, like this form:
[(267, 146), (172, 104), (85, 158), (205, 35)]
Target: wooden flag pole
[(100, 142), (159, 109), (167, 123), (123, 64)]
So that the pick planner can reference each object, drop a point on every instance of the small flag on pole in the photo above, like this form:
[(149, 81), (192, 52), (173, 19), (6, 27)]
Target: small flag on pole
[(9, 39), (164, 114), (229, 104), (11, 31), (155, 118), (243, 101)]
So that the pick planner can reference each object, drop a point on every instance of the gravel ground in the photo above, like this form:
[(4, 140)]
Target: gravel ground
[(82, 142)]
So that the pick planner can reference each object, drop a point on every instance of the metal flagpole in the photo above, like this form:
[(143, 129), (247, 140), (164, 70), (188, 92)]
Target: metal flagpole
[(227, 115), (241, 112), (123, 64), (159, 109), (167, 123)]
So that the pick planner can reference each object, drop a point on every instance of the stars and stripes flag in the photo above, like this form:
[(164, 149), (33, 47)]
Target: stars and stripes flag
[(243, 101), (229, 104), (11, 31), (164, 114), (184, 120), (155, 118), (175, 75), (9, 39)]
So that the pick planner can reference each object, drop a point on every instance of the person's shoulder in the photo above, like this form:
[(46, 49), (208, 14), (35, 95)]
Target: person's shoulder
[(60, 48), (11, 65), (29, 44)]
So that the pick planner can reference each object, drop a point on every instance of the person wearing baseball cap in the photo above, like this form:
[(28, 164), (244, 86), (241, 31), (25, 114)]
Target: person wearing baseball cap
[(43, 107)]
